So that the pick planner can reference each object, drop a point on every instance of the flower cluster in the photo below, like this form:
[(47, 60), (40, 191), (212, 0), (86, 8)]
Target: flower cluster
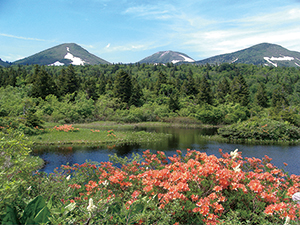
[(111, 133), (97, 131), (65, 128), (195, 188)]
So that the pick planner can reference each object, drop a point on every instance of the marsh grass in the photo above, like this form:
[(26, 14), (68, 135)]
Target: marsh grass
[(90, 136)]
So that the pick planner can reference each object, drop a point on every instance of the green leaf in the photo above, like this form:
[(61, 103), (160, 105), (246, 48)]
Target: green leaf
[(11, 216), (36, 212)]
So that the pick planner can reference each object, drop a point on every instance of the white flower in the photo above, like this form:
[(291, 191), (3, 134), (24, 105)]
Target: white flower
[(28, 189), (234, 154), (237, 168), (287, 221), (91, 205), (105, 183), (68, 178)]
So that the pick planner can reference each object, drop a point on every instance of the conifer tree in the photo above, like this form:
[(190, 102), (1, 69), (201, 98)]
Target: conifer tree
[(136, 94), (162, 79), (43, 84), (122, 86), (174, 102), (223, 88), (261, 97), (279, 98), (204, 95), (239, 91), (190, 84)]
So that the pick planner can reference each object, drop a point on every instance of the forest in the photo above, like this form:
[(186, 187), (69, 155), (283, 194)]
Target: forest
[(186, 93)]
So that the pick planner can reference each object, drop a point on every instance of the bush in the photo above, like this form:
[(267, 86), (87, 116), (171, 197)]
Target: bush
[(261, 129), (185, 189)]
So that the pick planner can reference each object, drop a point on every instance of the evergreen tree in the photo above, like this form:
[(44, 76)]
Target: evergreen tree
[(190, 84), (102, 84), (239, 91), (204, 95), (174, 102), (261, 97), (62, 83), (43, 84), (91, 88), (279, 98), (72, 80), (122, 86), (136, 94), (162, 79), (223, 88)]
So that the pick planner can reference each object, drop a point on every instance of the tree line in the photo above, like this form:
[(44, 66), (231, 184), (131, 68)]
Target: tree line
[(217, 94)]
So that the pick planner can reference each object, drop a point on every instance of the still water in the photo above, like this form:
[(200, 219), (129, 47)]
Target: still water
[(181, 138)]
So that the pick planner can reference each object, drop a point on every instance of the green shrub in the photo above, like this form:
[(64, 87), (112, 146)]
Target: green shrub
[(261, 129)]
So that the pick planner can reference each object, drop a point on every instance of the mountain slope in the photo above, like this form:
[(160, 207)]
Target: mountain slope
[(167, 57), (2, 63), (64, 54), (261, 54)]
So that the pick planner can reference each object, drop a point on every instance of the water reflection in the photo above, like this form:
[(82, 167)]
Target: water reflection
[(181, 139)]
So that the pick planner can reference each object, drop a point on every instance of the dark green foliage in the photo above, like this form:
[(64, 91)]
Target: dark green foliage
[(174, 102), (240, 91), (136, 94), (204, 95), (231, 88), (279, 99), (36, 212), (162, 79), (261, 97), (122, 86), (43, 84), (261, 129), (222, 90)]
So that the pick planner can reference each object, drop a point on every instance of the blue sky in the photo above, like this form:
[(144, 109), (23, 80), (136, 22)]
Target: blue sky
[(130, 30)]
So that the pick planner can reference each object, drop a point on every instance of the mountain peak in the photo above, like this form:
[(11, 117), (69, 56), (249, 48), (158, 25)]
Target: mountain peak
[(63, 54), (261, 54), (167, 57)]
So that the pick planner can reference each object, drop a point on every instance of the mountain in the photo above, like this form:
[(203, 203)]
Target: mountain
[(2, 63), (261, 54), (167, 57), (64, 54)]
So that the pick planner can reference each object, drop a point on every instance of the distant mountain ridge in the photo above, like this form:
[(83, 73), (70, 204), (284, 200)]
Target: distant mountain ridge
[(2, 63), (64, 54), (167, 57), (261, 54)]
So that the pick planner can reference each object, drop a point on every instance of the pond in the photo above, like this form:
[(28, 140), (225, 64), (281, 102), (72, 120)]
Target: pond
[(181, 139)]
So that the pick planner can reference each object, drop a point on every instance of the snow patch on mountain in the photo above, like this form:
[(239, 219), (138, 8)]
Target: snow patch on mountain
[(269, 61), (75, 60), (57, 63), (235, 60), (185, 59), (166, 52), (284, 58)]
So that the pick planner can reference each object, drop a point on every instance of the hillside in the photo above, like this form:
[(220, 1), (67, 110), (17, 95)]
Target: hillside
[(167, 57), (2, 63), (261, 54), (64, 54)]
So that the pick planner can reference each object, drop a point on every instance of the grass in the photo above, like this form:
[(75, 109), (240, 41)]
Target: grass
[(90, 136)]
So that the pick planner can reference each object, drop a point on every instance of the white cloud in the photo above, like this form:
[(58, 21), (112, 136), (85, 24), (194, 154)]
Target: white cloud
[(20, 37), (227, 36), (160, 11), (107, 46)]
